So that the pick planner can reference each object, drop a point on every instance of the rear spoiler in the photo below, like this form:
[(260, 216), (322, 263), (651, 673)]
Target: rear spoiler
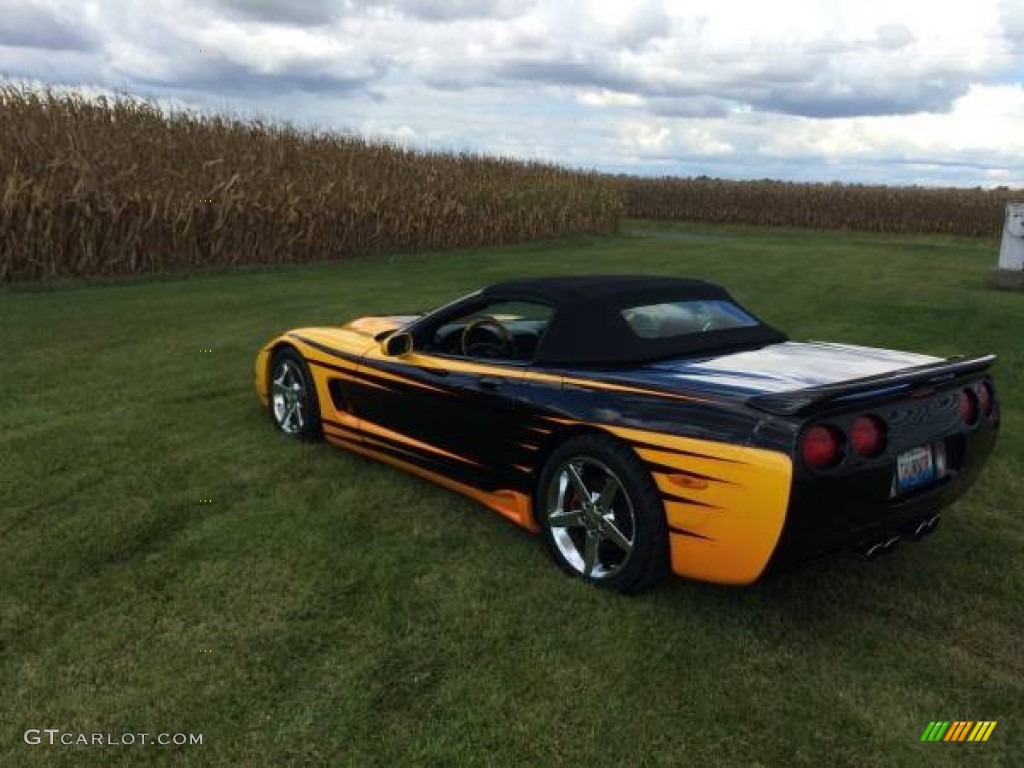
[(802, 401)]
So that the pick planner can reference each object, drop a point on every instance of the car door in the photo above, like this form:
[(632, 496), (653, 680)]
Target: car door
[(444, 410)]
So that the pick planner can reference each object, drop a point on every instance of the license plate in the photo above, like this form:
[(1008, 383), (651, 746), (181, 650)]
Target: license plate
[(914, 468)]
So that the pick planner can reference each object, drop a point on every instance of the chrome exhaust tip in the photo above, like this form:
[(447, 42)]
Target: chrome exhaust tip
[(880, 547), (925, 527), (873, 551)]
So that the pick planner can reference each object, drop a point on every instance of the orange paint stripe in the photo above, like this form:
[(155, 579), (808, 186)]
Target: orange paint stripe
[(342, 343), (462, 366), (547, 378), (331, 372), (559, 420), (452, 365), (337, 362), (687, 448), (341, 430), (366, 439), (511, 504), (591, 384), (331, 363), (404, 380), (361, 382), (346, 420)]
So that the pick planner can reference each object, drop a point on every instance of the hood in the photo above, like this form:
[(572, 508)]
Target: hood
[(782, 368)]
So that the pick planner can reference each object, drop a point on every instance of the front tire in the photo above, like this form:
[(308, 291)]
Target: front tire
[(602, 516), (294, 406)]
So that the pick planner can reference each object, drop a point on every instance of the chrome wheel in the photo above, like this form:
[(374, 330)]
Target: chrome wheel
[(289, 397), (591, 517)]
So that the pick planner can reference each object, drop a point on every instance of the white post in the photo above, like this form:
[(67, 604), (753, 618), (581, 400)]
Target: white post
[(1011, 252)]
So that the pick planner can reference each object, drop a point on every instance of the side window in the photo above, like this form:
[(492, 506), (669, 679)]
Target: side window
[(504, 330)]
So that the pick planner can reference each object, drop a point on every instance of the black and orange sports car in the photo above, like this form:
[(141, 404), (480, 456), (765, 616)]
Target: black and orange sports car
[(645, 424)]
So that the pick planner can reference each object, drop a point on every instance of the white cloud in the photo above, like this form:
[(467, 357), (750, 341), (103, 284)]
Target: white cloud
[(979, 141), (797, 88), (602, 97)]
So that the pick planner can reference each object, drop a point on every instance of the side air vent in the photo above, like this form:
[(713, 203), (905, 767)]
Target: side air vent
[(337, 396)]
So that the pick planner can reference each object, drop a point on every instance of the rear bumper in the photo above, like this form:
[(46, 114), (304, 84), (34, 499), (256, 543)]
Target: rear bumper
[(828, 515)]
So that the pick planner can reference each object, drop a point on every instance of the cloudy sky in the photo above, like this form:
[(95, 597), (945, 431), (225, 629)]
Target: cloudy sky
[(891, 91)]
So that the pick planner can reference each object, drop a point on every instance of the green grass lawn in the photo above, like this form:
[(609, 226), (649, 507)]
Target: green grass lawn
[(326, 609)]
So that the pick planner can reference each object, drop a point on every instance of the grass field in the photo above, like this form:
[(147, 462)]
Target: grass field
[(322, 609)]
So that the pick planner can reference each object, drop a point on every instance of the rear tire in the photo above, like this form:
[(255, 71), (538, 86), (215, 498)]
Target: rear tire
[(602, 516), (294, 406)]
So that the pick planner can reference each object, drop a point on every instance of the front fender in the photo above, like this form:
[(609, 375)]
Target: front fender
[(261, 373)]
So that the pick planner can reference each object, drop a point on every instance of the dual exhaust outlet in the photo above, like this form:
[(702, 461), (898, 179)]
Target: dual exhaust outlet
[(917, 530)]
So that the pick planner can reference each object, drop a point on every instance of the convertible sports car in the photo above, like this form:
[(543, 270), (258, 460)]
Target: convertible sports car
[(645, 424)]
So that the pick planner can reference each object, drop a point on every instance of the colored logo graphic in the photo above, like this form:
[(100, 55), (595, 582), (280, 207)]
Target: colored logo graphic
[(959, 730)]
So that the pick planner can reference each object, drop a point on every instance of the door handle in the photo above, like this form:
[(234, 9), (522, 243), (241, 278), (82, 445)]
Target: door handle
[(490, 383)]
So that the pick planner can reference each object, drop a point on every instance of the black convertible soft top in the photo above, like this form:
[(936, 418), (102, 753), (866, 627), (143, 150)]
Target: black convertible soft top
[(588, 327)]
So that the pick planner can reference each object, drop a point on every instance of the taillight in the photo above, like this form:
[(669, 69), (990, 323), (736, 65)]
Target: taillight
[(868, 436), (968, 407), (822, 446), (985, 398)]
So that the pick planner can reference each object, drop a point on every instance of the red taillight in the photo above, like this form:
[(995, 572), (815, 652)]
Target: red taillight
[(822, 446), (968, 407), (985, 398), (868, 436)]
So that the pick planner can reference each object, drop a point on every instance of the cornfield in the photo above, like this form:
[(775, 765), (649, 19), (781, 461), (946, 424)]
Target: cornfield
[(951, 211), (117, 186)]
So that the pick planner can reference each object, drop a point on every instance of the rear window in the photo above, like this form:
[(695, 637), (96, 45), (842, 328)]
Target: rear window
[(682, 318)]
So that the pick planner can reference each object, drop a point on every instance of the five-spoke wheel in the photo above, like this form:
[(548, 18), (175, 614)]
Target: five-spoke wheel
[(591, 518), (602, 515), (293, 402)]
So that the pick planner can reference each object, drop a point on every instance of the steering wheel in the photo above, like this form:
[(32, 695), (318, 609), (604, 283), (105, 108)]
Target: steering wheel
[(505, 348)]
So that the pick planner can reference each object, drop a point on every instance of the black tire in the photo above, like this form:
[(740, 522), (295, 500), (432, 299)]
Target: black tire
[(640, 513), (289, 362)]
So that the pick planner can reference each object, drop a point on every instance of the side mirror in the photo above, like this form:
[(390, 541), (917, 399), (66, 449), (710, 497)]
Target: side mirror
[(397, 345)]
